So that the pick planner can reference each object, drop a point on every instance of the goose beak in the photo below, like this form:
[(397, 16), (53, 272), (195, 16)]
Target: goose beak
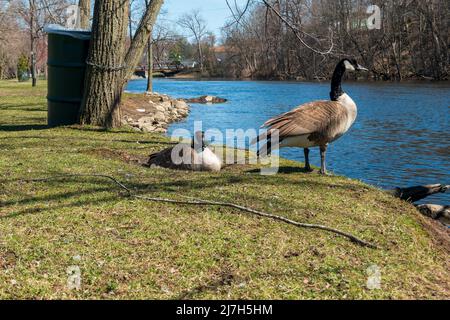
[(361, 68)]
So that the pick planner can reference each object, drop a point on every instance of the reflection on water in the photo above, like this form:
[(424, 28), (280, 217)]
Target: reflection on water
[(401, 136)]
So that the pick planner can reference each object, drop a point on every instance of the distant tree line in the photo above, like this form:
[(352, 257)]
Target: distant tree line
[(265, 39), (22, 34), (289, 39)]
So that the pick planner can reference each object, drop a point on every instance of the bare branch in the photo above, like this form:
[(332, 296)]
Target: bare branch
[(201, 202)]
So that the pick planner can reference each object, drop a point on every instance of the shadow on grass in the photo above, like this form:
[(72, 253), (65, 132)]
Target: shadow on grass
[(78, 138), (96, 129), (225, 278), (23, 127), (179, 183), (284, 170)]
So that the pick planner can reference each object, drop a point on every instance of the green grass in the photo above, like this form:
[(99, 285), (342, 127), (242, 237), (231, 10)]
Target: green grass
[(128, 248)]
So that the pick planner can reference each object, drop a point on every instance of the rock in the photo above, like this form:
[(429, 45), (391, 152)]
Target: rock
[(206, 99), (159, 116), (167, 105), (145, 120), (180, 104), (160, 108), (147, 127), (160, 130), (155, 113), (436, 212)]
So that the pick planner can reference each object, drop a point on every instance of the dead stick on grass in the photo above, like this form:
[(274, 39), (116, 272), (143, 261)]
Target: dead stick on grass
[(201, 202)]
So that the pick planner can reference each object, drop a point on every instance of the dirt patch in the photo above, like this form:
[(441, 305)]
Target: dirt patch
[(439, 233), (110, 154), (8, 259)]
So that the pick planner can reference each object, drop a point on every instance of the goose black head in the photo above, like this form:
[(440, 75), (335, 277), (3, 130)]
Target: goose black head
[(348, 64), (198, 141)]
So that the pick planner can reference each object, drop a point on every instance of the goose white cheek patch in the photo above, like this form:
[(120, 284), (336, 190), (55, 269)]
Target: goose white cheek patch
[(349, 66)]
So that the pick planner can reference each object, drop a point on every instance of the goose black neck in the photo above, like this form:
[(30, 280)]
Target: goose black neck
[(336, 81), (198, 145)]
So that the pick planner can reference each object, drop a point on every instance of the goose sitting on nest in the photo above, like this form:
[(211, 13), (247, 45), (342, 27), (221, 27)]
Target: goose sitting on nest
[(194, 157), (318, 123)]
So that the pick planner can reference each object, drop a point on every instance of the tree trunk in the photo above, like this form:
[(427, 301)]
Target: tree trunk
[(149, 59), (130, 24), (150, 65), (108, 71), (85, 13), (33, 42), (200, 55), (105, 70)]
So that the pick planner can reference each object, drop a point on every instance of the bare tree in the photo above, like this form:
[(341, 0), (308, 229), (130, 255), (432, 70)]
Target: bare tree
[(36, 14), (291, 38), (196, 25)]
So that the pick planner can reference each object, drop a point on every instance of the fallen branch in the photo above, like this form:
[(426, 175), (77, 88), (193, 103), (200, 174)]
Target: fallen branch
[(201, 202), (414, 194)]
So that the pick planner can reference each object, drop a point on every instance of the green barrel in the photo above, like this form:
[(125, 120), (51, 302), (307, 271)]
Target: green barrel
[(67, 53)]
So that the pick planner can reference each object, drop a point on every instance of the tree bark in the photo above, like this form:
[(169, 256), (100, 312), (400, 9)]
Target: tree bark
[(109, 68), (200, 54), (149, 59), (85, 13), (33, 42), (105, 69), (150, 66)]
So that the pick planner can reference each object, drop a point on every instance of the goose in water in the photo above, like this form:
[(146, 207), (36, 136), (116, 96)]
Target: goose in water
[(195, 156), (318, 123)]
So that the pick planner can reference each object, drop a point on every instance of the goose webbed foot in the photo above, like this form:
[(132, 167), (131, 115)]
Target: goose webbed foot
[(308, 169)]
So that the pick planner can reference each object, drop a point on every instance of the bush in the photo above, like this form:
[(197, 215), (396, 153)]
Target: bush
[(22, 68)]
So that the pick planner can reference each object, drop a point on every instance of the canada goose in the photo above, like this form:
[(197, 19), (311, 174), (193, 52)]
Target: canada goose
[(195, 156), (318, 123)]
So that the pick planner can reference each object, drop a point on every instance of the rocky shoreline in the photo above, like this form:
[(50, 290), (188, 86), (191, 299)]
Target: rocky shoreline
[(152, 112)]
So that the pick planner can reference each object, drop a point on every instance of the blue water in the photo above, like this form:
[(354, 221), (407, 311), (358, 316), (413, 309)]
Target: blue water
[(401, 136)]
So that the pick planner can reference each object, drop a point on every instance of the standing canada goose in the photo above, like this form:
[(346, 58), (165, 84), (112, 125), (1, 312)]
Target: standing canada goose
[(318, 123), (195, 156)]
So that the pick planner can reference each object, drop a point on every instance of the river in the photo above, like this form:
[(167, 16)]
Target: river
[(400, 138)]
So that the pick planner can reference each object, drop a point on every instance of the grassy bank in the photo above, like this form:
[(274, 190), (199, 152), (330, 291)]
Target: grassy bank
[(128, 248)]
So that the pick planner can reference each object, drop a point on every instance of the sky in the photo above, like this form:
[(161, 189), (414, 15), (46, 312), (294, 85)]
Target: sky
[(215, 12)]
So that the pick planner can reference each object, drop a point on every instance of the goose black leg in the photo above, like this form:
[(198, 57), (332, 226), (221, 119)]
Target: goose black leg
[(307, 165), (323, 151)]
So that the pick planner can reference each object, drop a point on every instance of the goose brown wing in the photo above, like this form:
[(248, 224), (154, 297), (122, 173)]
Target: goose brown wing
[(164, 159), (313, 117)]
